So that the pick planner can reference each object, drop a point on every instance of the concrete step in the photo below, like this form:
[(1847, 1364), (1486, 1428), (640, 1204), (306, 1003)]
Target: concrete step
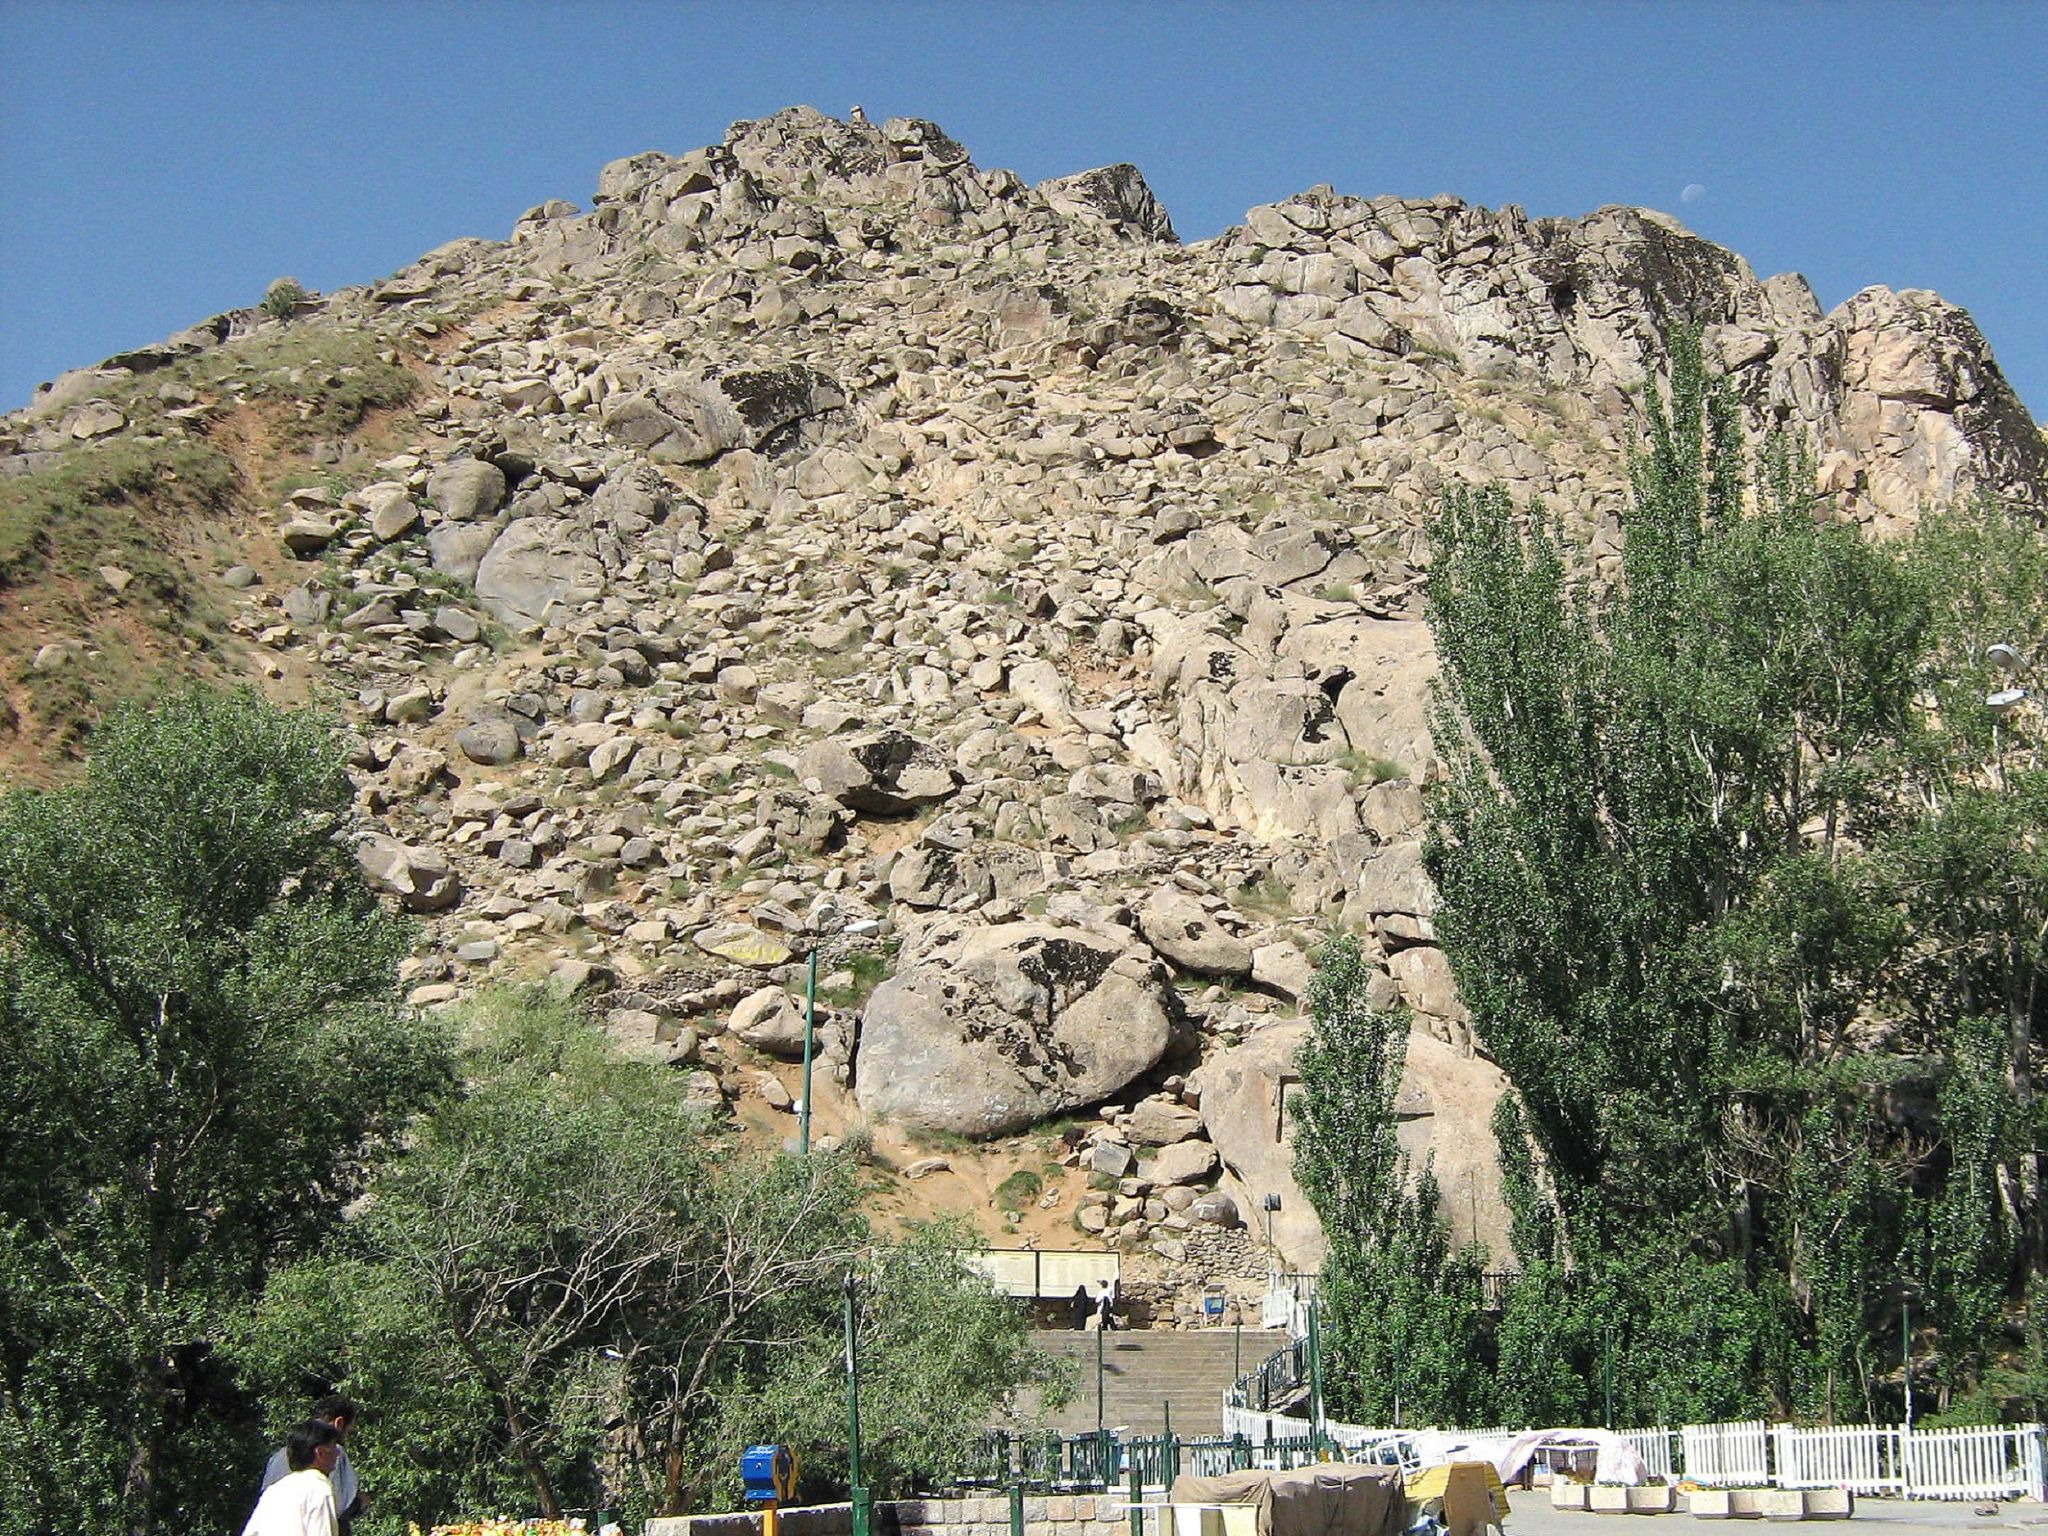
[(1144, 1370)]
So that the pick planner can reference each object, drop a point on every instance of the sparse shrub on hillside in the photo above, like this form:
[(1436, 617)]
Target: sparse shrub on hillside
[(282, 299), (1365, 768), (868, 968), (1019, 1190)]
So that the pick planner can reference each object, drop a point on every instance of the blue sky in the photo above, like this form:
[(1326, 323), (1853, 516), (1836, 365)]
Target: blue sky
[(161, 162)]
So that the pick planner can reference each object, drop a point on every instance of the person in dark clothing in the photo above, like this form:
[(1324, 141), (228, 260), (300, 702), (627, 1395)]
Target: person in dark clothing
[(1084, 1308)]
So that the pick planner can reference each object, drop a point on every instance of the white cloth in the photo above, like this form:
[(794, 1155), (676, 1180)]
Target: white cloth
[(1618, 1461), (297, 1504), (343, 1479)]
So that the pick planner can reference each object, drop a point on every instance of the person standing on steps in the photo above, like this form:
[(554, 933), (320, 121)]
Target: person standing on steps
[(1084, 1307), (1105, 1302), (300, 1501), (338, 1413)]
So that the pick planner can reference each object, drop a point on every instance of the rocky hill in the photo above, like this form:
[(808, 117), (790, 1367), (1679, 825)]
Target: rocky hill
[(822, 531)]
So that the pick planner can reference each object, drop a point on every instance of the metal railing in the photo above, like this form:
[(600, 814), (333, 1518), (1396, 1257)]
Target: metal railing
[(1274, 1379), (1093, 1463)]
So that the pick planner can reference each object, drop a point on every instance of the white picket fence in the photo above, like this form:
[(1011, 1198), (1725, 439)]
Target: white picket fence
[(1727, 1455), (2004, 1461), (1654, 1446), (2001, 1462), (1861, 1457)]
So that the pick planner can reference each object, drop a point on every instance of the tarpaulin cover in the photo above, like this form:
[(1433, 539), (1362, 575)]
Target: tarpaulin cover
[(1471, 1493), (1618, 1461), (1330, 1499)]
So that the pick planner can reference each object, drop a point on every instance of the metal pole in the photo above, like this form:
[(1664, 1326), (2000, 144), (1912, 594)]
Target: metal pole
[(1315, 1371), (1098, 1378), (803, 1122), (857, 1494), (1607, 1374), (1906, 1355)]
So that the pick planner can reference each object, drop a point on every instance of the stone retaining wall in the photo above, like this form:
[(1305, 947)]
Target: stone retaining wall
[(1044, 1515)]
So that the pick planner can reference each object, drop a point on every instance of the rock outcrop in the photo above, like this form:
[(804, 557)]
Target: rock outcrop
[(821, 530), (988, 1029)]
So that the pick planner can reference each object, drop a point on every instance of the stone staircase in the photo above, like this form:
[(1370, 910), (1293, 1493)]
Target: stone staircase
[(1145, 1369)]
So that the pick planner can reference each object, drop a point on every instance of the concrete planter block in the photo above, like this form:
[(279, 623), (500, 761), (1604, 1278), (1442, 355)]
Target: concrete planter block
[(1781, 1503), (1746, 1503), (1565, 1494), (1829, 1503), (1710, 1503), (1607, 1499), (1654, 1499)]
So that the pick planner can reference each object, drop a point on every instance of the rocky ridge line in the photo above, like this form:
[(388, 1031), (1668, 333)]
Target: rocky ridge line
[(823, 530)]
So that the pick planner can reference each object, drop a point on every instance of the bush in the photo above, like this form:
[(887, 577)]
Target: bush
[(282, 299)]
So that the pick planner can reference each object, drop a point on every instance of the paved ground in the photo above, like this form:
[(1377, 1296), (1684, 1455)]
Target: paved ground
[(1533, 1516)]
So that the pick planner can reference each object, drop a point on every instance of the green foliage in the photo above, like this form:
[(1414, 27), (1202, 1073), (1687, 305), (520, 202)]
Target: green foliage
[(1019, 1190), (1703, 843), (866, 970), (1399, 1306), (200, 1049), (572, 1292), (282, 299), (95, 501)]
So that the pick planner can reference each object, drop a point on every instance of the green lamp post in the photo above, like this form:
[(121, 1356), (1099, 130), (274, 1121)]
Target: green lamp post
[(855, 1492)]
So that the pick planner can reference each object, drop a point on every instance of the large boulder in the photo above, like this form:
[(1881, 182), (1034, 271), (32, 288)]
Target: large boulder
[(985, 1030), (1185, 1162), (536, 566), (466, 489), (691, 421), (1445, 1113), (770, 1020), (1115, 194), (421, 878), (884, 773), (1182, 929)]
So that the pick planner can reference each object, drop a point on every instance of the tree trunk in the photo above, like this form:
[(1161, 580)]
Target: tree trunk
[(145, 1446), (515, 1421)]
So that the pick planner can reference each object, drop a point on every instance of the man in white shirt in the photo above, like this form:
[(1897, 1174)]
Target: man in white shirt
[(301, 1502), (340, 1412)]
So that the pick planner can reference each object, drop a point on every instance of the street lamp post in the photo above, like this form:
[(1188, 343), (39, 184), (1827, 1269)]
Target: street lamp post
[(803, 1124), (852, 930), (1098, 1383), (855, 1492), (1315, 1373)]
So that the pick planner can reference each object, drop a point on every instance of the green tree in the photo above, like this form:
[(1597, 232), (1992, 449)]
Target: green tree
[(1402, 1312), (200, 1048), (575, 1291), (1724, 846)]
